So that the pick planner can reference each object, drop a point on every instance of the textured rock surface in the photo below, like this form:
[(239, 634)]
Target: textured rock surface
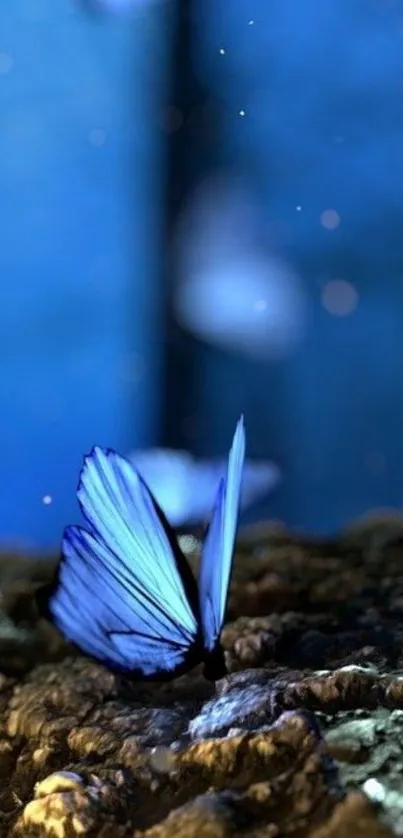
[(304, 738)]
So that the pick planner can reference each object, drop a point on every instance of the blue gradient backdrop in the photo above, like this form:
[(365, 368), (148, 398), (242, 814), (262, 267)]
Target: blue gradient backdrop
[(81, 185), (80, 198)]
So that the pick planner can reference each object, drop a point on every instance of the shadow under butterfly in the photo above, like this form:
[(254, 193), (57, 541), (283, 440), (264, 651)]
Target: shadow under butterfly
[(124, 592)]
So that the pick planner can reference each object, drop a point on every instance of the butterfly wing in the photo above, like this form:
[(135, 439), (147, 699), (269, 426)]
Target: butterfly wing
[(125, 593), (185, 487), (168, 474), (217, 552)]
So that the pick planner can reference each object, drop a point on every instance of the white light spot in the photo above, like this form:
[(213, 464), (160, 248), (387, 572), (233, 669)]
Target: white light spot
[(236, 294), (97, 137), (330, 219), (47, 499), (298, 208), (339, 297), (242, 112), (374, 790), (222, 51), (6, 63), (250, 22), (188, 543)]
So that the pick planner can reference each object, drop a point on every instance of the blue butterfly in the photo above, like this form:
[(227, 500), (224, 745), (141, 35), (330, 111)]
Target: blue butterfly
[(124, 592)]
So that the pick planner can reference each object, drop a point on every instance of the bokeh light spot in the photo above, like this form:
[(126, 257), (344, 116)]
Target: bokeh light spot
[(330, 219), (339, 297), (188, 543)]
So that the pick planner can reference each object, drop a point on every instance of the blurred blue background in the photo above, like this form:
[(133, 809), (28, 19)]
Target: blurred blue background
[(201, 213)]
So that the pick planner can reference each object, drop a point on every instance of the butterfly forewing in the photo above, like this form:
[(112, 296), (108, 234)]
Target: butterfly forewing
[(217, 552), (120, 596), (120, 509)]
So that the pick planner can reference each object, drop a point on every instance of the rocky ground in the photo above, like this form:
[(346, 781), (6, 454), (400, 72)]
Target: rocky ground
[(304, 738)]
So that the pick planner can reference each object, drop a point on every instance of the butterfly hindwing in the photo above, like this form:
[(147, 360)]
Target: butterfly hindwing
[(125, 593), (217, 552)]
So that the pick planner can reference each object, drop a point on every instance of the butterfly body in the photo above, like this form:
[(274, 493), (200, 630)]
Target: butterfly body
[(124, 593), (215, 667)]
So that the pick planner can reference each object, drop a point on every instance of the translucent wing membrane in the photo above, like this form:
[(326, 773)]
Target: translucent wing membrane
[(125, 592), (216, 559)]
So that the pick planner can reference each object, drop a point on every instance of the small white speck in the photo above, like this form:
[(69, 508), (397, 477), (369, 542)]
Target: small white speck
[(47, 499), (222, 51), (97, 137), (298, 208), (6, 63), (242, 113), (250, 22)]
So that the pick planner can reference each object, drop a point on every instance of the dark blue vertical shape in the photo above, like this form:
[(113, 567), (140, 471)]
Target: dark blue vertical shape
[(319, 87)]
